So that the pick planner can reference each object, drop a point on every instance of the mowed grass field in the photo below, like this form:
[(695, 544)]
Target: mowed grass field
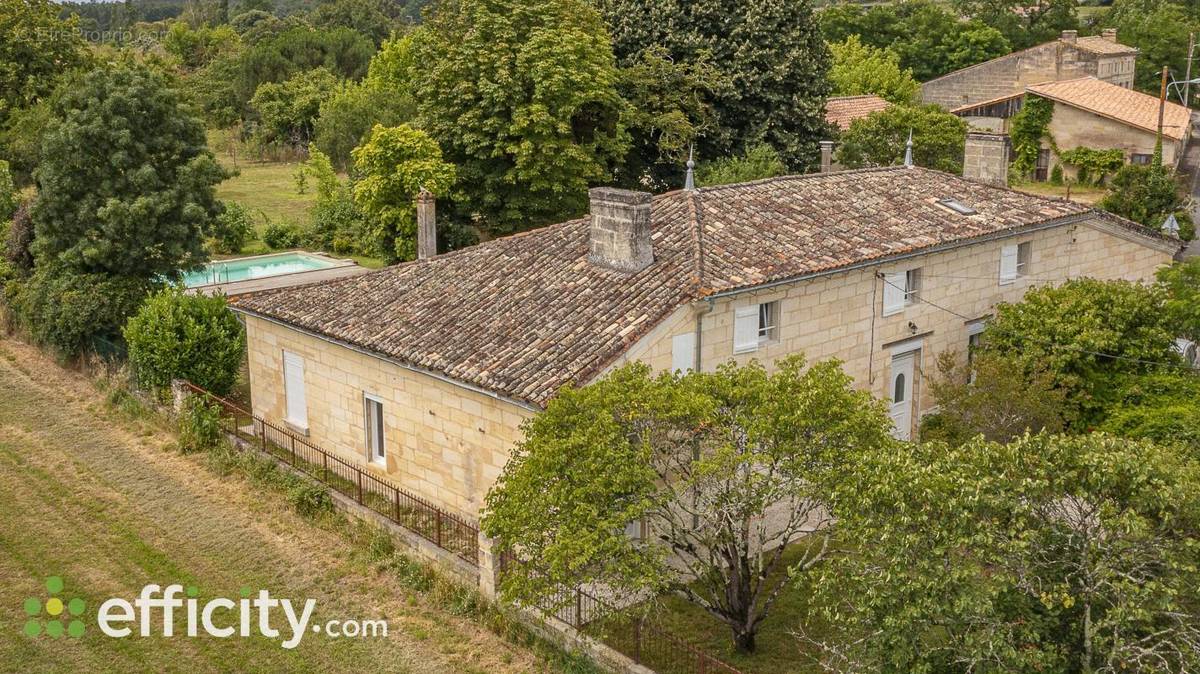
[(102, 500)]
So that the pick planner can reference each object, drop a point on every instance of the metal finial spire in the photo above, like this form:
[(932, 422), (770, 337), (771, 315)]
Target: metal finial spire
[(908, 150), (1171, 226), (689, 183)]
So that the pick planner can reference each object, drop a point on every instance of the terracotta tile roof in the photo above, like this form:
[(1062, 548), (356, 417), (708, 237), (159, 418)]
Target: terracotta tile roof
[(1101, 45), (523, 315), (1118, 103), (841, 110)]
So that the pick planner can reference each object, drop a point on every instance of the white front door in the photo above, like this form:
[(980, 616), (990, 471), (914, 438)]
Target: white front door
[(903, 369)]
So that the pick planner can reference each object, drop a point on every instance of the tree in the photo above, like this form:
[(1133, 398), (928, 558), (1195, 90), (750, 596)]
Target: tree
[(232, 228), (521, 95), (37, 50), (985, 395), (1144, 193), (859, 69), (1181, 282), (349, 114), (20, 240), (1159, 29), (9, 199), (367, 17), (125, 182), (299, 49), (723, 470), (1159, 407), (394, 165), (760, 161), (879, 138), (196, 47), (176, 335), (1085, 333), (288, 111), (1049, 554), (1022, 22), (771, 52)]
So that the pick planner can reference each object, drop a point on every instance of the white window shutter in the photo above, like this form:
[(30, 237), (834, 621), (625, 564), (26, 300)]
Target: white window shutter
[(683, 352), (296, 397), (745, 329), (893, 293), (1008, 264)]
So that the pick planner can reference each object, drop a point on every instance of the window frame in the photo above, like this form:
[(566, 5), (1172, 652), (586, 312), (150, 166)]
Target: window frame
[(375, 455), (1024, 258), (768, 322)]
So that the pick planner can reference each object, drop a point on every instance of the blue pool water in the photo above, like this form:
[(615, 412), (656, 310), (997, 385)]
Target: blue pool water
[(254, 267)]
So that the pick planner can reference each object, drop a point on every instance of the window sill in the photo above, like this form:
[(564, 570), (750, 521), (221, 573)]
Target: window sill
[(296, 428)]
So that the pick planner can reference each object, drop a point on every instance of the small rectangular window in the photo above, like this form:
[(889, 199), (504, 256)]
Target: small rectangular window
[(901, 289), (1141, 159), (1024, 255), (754, 326), (376, 449), (912, 285), (768, 318)]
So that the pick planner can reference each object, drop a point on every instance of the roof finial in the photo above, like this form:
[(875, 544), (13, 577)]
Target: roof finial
[(1170, 226), (908, 150), (689, 183)]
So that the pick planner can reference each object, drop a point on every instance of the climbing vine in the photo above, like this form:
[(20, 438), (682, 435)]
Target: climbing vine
[(1093, 165), (1026, 130)]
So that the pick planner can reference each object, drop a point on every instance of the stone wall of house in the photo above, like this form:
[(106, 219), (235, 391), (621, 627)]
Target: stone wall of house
[(985, 157), (1056, 60), (1071, 127), (443, 442), (840, 315)]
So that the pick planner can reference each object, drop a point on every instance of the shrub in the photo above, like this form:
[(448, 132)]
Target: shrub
[(309, 499), (8, 192), (338, 225), (181, 336), (232, 228), (19, 240), (281, 235), (1056, 175), (68, 311), (199, 425)]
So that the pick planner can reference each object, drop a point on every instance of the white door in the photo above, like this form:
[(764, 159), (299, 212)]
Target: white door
[(903, 367), (293, 390)]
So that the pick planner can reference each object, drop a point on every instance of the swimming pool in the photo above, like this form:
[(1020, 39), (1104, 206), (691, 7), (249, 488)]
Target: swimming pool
[(259, 266)]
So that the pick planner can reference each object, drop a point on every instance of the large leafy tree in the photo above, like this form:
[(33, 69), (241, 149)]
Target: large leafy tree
[(1023, 23), (1145, 193), (393, 166), (521, 95), (287, 111), (175, 335), (879, 139), (368, 17), (1181, 281), (862, 69), (1049, 554), (126, 181), (1159, 29), (36, 49), (718, 471), (770, 51)]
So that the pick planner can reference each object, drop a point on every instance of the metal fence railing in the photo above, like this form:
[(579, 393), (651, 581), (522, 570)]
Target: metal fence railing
[(444, 529), (626, 631)]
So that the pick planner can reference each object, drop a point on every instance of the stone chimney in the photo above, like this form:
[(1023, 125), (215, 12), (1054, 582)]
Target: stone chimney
[(1070, 36), (985, 158), (1109, 34), (426, 225), (620, 229), (826, 156)]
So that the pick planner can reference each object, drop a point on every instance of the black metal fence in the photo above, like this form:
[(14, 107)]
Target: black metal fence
[(445, 530)]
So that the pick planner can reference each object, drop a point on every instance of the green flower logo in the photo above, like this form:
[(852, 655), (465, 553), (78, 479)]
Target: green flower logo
[(55, 608)]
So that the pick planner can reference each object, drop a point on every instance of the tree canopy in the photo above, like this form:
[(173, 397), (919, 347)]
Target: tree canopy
[(879, 139), (37, 49), (859, 69), (125, 181), (691, 484)]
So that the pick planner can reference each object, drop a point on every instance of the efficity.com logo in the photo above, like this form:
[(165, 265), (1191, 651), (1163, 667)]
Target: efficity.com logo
[(175, 611)]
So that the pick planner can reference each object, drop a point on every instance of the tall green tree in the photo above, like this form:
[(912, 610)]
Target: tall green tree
[(287, 111), (368, 17), (689, 484), (393, 166), (770, 51), (126, 181), (36, 49), (1145, 193), (1048, 554), (1022, 22), (880, 138), (521, 95), (1159, 29), (859, 69), (760, 161)]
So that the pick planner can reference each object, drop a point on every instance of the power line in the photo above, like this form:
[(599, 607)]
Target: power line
[(1053, 345)]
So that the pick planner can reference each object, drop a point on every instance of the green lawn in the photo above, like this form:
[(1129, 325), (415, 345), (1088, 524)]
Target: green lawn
[(1084, 194), (103, 501), (778, 651)]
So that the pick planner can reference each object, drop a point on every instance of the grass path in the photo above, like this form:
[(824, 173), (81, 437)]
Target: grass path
[(106, 505)]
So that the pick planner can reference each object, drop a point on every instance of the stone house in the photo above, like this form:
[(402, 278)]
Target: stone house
[(1092, 113), (840, 111), (426, 370), (1069, 57)]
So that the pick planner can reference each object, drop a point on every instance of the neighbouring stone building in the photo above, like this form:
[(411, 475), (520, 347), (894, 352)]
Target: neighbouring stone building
[(1069, 57), (1089, 112), (426, 370), (840, 111)]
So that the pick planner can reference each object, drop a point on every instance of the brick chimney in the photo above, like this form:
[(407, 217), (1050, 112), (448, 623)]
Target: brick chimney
[(426, 225), (826, 156), (620, 229), (985, 157), (1109, 34), (1070, 36)]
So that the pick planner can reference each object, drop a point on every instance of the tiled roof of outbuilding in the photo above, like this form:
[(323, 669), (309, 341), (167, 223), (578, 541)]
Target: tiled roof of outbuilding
[(841, 110), (523, 315), (1118, 103)]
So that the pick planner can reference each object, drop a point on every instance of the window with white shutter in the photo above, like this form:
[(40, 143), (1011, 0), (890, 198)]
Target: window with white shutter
[(745, 329), (683, 352), (894, 292), (296, 399), (1008, 264)]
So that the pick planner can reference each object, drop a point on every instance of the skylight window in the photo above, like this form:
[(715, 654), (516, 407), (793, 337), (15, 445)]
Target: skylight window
[(957, 206)]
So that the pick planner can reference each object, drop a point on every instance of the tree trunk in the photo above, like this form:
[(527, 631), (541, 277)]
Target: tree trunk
[(743, 641)]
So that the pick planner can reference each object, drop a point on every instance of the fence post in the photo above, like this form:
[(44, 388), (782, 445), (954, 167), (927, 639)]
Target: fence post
[(262, 437), (293, 449), (396, 505), (637, 641), (324, 467), (359, 472), (438, 515), (578, 608)]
